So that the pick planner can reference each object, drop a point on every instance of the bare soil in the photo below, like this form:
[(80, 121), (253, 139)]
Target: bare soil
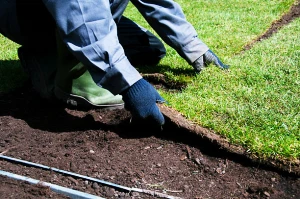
[(182, 160), (103, 144)]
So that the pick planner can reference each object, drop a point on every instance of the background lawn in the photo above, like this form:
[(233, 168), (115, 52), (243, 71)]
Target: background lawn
[(11, 73), (256, 103)]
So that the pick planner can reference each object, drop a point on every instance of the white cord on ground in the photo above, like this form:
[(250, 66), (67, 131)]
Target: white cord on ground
[(145, 191), (74, 194)]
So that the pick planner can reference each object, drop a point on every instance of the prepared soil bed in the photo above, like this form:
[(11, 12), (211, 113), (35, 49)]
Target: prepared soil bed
[(104, 145)]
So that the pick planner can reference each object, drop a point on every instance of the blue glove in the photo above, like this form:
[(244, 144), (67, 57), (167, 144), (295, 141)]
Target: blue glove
[(140, 99), (206, 59)]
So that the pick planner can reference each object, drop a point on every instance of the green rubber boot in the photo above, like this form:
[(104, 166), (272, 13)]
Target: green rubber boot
[(75, 86)]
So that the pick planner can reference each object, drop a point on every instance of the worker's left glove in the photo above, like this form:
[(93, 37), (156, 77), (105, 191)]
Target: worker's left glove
[(206, 59)]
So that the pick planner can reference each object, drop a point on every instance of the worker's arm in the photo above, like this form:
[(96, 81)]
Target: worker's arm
[(89, 31), (168, 20)]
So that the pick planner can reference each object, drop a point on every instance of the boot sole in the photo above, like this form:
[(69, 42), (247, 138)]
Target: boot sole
[(79, 101)]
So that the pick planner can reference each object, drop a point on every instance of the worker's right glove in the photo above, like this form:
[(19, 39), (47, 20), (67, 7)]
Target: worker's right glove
[(206, 59), (140, 99)]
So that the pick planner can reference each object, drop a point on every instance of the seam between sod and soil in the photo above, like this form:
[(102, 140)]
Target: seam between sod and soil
[(285, 19), (178, 128)]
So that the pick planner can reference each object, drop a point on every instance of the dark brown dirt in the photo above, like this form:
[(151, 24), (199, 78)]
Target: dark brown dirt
[(102, 144)]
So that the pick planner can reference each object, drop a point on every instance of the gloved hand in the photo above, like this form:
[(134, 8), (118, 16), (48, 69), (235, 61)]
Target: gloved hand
[(206, 59), (140, 99)]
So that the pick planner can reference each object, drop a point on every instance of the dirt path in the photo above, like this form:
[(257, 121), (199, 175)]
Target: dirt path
[(103, 145)]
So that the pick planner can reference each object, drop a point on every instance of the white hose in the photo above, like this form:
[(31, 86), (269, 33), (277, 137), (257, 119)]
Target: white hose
[(149, 192), (74, 194)]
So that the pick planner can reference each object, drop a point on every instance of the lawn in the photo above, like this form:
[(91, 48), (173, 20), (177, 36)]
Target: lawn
[(11, 73), (256, 103)]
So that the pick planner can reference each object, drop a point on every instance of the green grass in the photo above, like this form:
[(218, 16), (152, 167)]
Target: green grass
[(11, 73), (256, 103)]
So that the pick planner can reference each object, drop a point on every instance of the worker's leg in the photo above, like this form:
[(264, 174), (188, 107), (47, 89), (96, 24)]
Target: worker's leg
[(74, 84), (9, 26), (53, 74), (41, 69), (58, 74), (141, 46)]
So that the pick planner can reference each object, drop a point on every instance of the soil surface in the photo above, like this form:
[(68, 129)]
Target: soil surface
[(104, 144)]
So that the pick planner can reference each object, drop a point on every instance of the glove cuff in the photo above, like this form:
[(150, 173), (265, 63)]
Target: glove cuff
[(199, 65), (135, 88)]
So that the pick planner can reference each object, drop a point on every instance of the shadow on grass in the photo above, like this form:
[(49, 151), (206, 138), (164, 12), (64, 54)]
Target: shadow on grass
[(166, 78), (12, 75)]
